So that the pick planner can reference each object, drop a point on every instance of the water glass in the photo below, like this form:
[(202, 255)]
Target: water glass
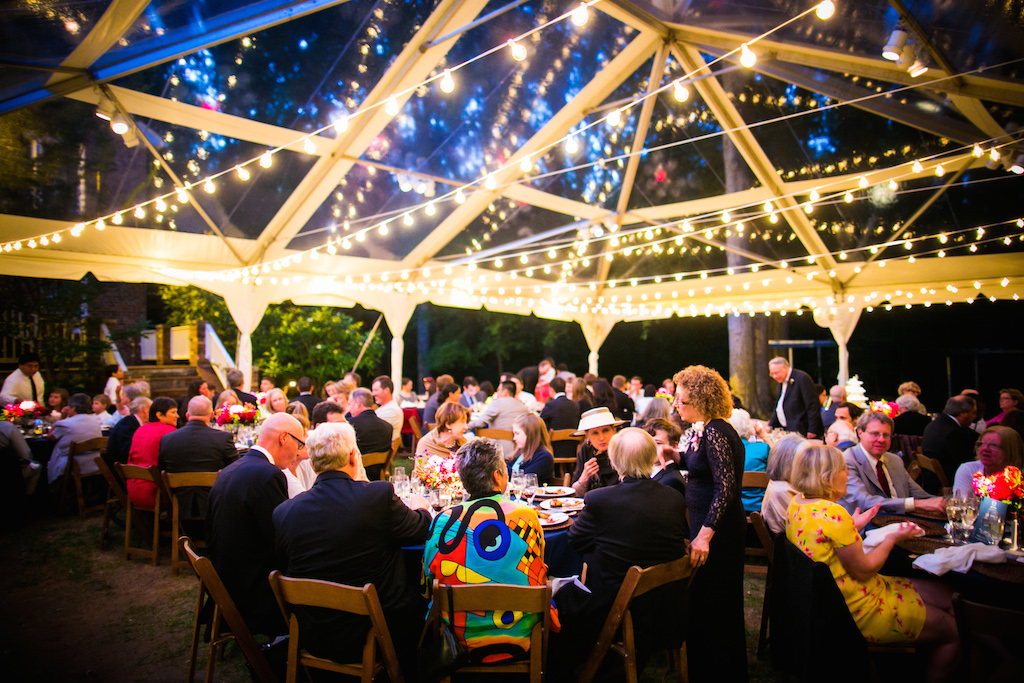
[(399, 472), (530, 485), (445, 499)]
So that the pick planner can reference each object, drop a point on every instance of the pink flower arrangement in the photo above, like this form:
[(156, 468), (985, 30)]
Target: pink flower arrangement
[(435, 471), (26, 409), (237, 415), (1006, 486), (887, 408)]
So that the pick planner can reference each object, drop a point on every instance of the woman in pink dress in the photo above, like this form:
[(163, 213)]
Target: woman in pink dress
[(163, 417)]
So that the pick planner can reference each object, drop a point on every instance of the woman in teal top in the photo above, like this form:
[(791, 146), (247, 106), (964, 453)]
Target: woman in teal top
[(755, 458)]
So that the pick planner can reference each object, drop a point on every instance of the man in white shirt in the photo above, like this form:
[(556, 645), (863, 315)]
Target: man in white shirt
[(388, 408), (501, 413), (25, 383)]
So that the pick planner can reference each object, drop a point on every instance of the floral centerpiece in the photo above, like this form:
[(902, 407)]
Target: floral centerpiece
[(1006, 486), (24, 411), (237, 416), (662, 392), (887, 408), (437, 472)]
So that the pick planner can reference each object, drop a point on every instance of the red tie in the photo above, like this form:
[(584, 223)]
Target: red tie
[(882, 481)]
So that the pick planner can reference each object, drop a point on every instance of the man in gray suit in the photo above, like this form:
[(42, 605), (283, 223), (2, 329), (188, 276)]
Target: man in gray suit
[(501, 413), (878, 477)]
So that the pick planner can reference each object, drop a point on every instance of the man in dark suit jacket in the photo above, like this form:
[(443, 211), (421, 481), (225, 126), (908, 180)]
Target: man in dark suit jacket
[(196, 447), (306, 396), (911, 421), (367, 548), (798, 409), (627, 407), (561, 413), (119, 441), (950, 439), (373, 435), (235, 380), (240, 525)]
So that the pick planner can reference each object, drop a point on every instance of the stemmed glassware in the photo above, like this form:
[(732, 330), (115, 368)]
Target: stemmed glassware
[(515, 486), (530, 485)]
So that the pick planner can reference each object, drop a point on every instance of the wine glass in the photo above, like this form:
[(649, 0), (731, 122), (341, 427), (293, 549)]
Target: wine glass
[(515, 486), (530, 485), (445, 499), (400, 472)]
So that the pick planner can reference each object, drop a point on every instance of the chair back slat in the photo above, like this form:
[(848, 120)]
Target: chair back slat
[(494, 597), (174, 480), (662, 574), (316, 593), (758, 480), (564, 435), (370, 459), (136, 472), (79, 447), (116, 487), (933, 466), (498, 434)]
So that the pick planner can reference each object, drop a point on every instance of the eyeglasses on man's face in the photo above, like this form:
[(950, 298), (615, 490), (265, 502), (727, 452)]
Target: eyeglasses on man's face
[(302, 444)]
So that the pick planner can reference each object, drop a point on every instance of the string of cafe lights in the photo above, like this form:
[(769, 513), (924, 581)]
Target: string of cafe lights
[(579, 17)]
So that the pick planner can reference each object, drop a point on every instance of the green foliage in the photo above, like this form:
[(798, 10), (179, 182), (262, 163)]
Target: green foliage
[(182, 305)]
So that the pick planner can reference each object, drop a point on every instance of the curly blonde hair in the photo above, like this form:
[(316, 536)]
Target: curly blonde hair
[(709, 393)]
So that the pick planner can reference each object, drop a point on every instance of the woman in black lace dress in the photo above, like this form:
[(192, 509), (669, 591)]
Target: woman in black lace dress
[(716, 646)]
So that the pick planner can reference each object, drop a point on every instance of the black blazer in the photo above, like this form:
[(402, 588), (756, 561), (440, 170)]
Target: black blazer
[(348, 532), (240, 536), (373, 435), (245, 397), (671, 478), (625, 405), (949, 443), (119, 441), (561, 413), (310, 401), (196, 447), (910, 423), (801, 405)]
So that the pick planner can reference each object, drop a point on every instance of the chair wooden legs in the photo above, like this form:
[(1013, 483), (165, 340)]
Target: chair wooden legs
[(154, 553), (762, 638)]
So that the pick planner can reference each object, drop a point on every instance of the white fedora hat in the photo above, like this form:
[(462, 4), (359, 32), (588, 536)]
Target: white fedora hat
[(596, 417)]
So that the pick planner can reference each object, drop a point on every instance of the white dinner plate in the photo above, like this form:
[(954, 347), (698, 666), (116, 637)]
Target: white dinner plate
[(564, 504), (554, 519), (555, 491)]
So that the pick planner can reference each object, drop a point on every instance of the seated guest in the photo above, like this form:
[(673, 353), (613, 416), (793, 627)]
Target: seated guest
[(1014, 420), (275, 402), (119, 441), (327, 411), (533, 449), (434, 400), (450, 393), (1009, 399), (657, 407), (998, 447), (406, 393), (14, 450), (226, 398), (849, 413), (841, 434), (577, 391), (197, 387), (780, 472), (471, 394), (755, 458), (387, 407), (666, 435), (300, 475), (297, 410), (446, 437), (235, 380), (912, 388), (145, 450), (196, 447), (949, 439), (836, 395), (306, 397), (128, 394), (57, 401), (456, 549), (560, 412), (100, 403), (912, 419), (501, 412), (373, 435), (80, 425), (886, 610), (341, 396), (240, 525), (367, 548), (593, 468), (638, 522), (878, 477)]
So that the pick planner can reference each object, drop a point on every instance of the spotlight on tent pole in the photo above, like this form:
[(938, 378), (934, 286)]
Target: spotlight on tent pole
[(918, 68), (119, 124), (105, 109), (894, 47)]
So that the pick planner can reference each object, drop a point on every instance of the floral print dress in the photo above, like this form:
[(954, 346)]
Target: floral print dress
[(885, 609)]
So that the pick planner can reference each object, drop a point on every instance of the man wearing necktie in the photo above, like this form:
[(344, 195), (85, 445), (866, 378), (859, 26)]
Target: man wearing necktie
[(25, 383), (798, 409)]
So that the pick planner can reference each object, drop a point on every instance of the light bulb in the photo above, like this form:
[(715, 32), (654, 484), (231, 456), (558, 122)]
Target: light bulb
[(725, 216), (447, 82), (140, 212), (341, 124), (100, 224), (407, 220), (680, 91), (392, 106), (978, 152), (526, 165), (580, 15), (308, 147), (863, 182), (429, 209), (571, 146), (383, 229), (243, 173), (116, 220), (768, 208), (518, 51), (893, 185), (848, 197), (209, 187), (825, 10), (815, 196), (182, 195), (747, 57), (615, 117), (490, 183), (266, 160), (939, 171), (917, 167), (119, 124), (460, 196)]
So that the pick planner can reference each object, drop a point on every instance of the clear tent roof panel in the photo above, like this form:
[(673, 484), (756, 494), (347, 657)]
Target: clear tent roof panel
[(46, 32)]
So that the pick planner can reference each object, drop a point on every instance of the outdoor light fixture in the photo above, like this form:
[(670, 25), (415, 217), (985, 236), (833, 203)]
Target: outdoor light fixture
[(918, 68), (894, 47), (447, 82), (1018, 166), (119, 124), (105, 109), (518, 51), (747, 56), (680, 91), (825, 10)]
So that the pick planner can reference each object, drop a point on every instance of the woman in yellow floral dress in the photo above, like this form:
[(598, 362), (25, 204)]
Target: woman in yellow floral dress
[(885, 609)]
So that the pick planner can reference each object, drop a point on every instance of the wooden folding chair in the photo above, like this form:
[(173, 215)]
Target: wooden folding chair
[(383, 459), (755, 480), (768, 543), (152, 474), (934, 466), (908, 446), (620, 621), (497, 597), (81, 465), (563, 465), (210, 584), (990, 639), (171, 481), (417, 431), (116, 497), (360, 601), (498, 434)]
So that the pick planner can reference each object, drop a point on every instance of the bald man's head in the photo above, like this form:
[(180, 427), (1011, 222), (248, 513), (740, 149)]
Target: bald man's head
[(199, 408)]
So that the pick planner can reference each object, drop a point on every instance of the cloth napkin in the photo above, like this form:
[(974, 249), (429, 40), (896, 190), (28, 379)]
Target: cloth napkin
[(874, 537), (959, 558)]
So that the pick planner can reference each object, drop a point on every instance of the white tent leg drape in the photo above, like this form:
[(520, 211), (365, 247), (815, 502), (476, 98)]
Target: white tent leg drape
[(397, 311), (595, 331), (841, 322), (247, 304)]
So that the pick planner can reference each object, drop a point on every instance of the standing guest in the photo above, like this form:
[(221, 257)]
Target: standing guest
[(626, 406), (822, 394), (145, 450), (447, 436), (235, 379), (227, 398), (998, 448), (373, 435), (406, 393), (327, 411), (577, 391), (950, 439), (14, 447), (306, 396), (714, 456), (387, 407), (311, 544), (455, 539), (798, 409), (666, 466), (560, 412), (755, 458), (119, 441), (275, 402), (593, 468), (57, 401), (636, 388), (501, 413), (912, 389), (545, 373), (471, 393), (886, 610), (1009, 399), (196, 447), (780, 492), (911, 419), (533, 449), (836, 395), (638, 522), (979, 424), (197, 387), (878, 477), (669, 386), (113, 386), (25, 383), (240, 525), (433, 400), (80, 425)]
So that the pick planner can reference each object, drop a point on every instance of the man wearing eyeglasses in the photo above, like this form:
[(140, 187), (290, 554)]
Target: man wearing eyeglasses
[(878, 477), (240, 524)]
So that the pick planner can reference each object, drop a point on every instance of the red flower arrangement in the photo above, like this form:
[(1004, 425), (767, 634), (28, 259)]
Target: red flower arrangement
[(237, 415), (25, 410), (887, 408), (1006, 486)]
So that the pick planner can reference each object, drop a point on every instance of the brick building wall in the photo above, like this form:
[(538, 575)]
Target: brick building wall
[(123, 306)]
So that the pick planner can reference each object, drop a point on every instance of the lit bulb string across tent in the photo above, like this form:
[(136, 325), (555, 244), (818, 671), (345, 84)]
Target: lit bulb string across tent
[(390, 105)]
